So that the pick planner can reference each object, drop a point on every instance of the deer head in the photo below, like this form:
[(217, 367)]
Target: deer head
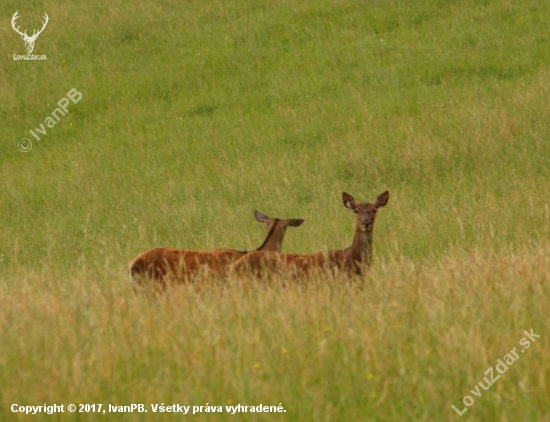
[(29, 41), (366, 212), (361, 249)]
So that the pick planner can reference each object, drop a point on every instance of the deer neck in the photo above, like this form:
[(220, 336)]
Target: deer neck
[(360, 251), (273, 239)]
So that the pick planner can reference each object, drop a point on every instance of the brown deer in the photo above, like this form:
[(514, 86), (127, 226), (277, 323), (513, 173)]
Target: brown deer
[(350, 260), (182, 265)]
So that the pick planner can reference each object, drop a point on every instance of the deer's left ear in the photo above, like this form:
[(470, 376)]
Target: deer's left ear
[(382, 199), (348, 200)]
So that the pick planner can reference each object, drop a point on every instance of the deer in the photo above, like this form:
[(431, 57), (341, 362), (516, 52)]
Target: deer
[(160, 264), (351, 260), (29, 40)]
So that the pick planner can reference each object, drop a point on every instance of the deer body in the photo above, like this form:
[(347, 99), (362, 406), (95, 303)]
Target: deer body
[(350, 260), (158, 263), (183, 265)]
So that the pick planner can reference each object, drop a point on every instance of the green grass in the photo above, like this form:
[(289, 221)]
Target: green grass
[(193, 115)]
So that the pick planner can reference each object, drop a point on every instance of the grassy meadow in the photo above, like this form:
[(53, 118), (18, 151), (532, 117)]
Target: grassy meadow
[(196, 113)]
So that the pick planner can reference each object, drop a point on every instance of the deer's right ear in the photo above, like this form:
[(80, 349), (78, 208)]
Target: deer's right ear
[(261, 218), (295, 222), (348, 200)]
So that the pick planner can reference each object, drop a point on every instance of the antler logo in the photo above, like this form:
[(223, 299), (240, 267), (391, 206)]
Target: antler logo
[(29, 41)]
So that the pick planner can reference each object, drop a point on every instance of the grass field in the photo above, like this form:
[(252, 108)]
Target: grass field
[(195, 113)]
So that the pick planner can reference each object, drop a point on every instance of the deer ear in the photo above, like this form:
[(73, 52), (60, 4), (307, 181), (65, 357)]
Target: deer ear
[(261, 218), (348, 200), (382, 199), (295, 222)]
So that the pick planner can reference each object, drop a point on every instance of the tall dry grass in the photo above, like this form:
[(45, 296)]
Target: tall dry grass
[(405, 343)]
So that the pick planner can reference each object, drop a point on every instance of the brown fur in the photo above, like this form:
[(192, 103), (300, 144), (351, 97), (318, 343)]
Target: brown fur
[(182, 265), (350, 260)]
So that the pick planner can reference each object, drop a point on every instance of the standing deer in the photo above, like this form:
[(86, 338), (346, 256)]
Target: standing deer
[(350, 260), (29, 41), (183, 265)]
